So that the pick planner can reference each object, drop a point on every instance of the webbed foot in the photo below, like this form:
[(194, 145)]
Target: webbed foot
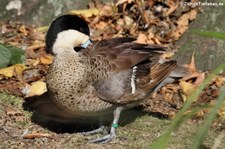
[(95, 131), (106, 138)]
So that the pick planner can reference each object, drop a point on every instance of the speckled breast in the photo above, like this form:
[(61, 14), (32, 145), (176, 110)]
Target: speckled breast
[(69, 87)]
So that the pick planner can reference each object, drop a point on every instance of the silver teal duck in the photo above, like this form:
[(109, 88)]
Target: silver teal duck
[(97, 78)]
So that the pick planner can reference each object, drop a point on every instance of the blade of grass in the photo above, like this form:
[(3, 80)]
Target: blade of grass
[(209, 34), (166, 136), (205, 128), (162, 142)]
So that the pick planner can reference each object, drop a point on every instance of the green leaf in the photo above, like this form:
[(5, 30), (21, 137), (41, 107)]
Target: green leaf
[(5, 56), (10, 55), (18, 56), (209, 34)]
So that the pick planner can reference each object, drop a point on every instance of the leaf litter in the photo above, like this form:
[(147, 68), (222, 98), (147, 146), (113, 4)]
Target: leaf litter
[(152, 22)]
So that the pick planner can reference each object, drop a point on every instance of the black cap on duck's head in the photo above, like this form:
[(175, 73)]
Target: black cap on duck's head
[(66, 32)]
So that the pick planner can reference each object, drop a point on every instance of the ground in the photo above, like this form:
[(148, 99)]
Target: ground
[(140, 133)]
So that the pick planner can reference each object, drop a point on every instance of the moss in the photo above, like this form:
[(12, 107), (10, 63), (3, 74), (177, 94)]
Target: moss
[(10, 100)]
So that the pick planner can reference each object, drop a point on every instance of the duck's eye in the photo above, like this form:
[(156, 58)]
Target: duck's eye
[(77, 49)]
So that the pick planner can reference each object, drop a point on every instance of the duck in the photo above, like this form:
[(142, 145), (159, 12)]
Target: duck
[(94, 78)]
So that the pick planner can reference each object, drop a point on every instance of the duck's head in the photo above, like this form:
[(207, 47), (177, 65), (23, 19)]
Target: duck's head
[(65, 33)]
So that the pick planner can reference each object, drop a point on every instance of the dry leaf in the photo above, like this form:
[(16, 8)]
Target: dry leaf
[(192, 67), (86, 12), (101, 25), (221, 111), (35, 89), (182, 23), (36, 46), (123, 1), (11, 112), (10, 71), (185, 18), (187, 87), (46, 59), (106, 11), (167, 94), (172, 7), (42, 29), (200, 78), (167, 55), (36, 135), (23, 30), (202, 112), (19, 68), (128, 21), (156, 41), (32, 62), (178, 32), (142, 38), (220, 80)]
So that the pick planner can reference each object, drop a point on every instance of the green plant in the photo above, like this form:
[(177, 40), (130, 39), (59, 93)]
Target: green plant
[(10, 55)]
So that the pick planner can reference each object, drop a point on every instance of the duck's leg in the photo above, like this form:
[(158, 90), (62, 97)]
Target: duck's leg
[(114, 126)]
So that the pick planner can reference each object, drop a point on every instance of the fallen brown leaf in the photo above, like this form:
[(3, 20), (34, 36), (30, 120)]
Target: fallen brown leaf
[(106, 11), (167, 55), (220, 80), (173, 6), (182, 23), (187, 87), (128, 21), (123, 1), (46, 59), (35, 89), (36, 46), (11, 112), (185, 18), (191, 67), (142, 38), (12, 70), (221, 111), (200, 77), (101, 25), (32, 62), (86, 12), (36, 135), (23, 30)]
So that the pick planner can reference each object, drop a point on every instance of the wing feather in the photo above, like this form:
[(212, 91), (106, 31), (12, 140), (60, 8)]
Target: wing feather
[(117, 57)]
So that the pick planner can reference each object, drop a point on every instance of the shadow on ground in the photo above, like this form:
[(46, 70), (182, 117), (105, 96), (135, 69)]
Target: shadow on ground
[(48, 115)]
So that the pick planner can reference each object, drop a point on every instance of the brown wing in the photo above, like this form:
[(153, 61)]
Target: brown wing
[(120, 93), (114, 61)]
